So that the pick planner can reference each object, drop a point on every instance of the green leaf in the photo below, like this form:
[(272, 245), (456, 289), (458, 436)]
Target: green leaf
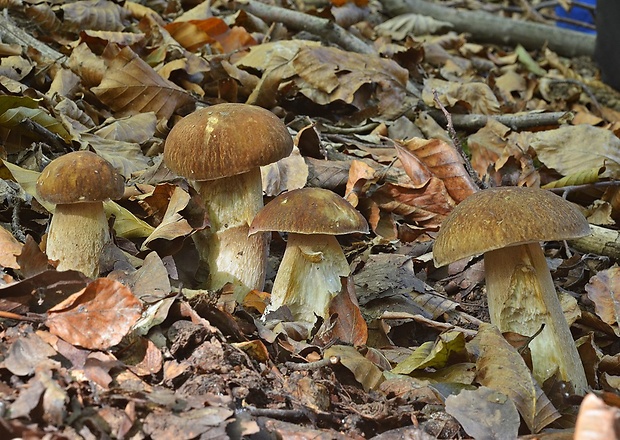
[(433, 354)]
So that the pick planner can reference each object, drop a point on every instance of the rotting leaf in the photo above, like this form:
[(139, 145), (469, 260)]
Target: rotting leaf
[(27, 353), (207, 422), (485, 414), (97, 317), (501, 368)]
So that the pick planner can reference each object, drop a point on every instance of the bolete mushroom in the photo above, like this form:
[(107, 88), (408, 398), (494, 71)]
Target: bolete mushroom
[(220, 150), (313, 262), (506, 225), (78, 183)]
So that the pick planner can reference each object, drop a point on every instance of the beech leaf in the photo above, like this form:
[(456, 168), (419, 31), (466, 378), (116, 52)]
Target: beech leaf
[(97, 317)]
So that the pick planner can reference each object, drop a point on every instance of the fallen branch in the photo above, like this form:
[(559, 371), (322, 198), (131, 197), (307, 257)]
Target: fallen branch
[(326, 29), (11, 33), (485, 27), (515, 122)]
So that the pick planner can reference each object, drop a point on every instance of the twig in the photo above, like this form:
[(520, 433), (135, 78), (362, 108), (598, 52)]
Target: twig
[(515, 122), (326, 29), (457, 144), (10, 33), (325, 362)]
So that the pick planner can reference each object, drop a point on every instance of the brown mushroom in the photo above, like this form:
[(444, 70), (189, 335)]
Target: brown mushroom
[(78, 183), (220, 150), (313, 262), (506, 225)]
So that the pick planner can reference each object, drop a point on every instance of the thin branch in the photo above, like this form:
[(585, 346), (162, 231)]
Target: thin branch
[(457, 144)]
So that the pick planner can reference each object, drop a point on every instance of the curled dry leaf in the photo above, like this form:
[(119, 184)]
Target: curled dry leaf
[(444, 162), (476, 96), (97, 317), (597, 420)]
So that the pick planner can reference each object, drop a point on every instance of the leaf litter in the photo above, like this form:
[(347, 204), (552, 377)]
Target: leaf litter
[(144, 352)]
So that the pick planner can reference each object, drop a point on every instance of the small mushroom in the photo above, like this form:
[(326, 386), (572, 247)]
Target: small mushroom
[(313, 262), (506, 225), (220, 150), (78, 183)]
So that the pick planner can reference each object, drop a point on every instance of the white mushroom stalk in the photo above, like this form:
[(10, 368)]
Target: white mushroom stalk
[(232, 256), (309, 276)]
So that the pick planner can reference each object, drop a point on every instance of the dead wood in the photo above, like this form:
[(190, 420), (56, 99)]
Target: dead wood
[(488, 28)]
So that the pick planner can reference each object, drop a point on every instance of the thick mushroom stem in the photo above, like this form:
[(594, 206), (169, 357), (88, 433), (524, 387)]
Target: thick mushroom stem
[(522, 298), (77, 234), (232, 256), (309, 276)]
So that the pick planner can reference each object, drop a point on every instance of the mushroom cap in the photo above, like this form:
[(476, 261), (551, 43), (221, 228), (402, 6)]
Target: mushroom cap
[(309, 211), (225, 140), (80, 176), (507, 216)]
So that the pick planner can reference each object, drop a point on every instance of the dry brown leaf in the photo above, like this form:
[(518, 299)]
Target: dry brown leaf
[(97, 317), (475, 96), (350, 326), (366, 373), (575, 149), (425, 206), (102, 15), (597, 420), (286, 174), (501, 368), (328, 74), (604, 291), (173, 227), (10, 248), (443, 161), (130, 86), (487, 145)]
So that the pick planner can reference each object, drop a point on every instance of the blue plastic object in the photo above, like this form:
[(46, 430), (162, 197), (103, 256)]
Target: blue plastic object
[(577, 13)]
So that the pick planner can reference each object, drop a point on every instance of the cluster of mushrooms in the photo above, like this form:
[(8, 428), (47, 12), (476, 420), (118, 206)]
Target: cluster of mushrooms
[(220, 150)]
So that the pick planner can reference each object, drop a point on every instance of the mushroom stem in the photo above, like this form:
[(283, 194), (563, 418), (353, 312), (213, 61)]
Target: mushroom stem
[(309, 276), (232, 256), (522, 298), (77, 235)]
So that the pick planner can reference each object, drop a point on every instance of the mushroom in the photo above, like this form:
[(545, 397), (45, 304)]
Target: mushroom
[(506, 225), (220, 150), (78, 183), (313, 262)]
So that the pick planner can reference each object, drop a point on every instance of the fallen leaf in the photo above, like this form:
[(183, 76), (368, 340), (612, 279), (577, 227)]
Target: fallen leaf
[(10, 248), (603, 289), (501, 368), (97, 317), (485, 414), (130, 86), (366, 373)]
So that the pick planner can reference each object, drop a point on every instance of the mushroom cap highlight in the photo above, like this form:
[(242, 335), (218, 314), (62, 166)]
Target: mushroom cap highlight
[(79, 176), (309, 211), (506, 216), (225, 140)]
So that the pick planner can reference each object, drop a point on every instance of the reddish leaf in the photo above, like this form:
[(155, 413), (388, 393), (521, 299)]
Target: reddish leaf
[(97, 317), (350, 327)]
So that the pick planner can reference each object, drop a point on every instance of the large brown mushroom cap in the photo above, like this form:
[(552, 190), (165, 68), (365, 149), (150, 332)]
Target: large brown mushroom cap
[(309, 211), (499, 217), (80, 176), (225, 140)]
